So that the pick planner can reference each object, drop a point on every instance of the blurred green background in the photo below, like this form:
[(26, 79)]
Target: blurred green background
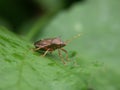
[(96, 52), (19, 14)]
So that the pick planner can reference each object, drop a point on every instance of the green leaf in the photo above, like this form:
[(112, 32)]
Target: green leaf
[(96, 52), (23, 69), (98, 22)]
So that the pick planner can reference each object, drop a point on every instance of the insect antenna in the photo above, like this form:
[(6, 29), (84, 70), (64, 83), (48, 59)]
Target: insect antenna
[(74, 37)]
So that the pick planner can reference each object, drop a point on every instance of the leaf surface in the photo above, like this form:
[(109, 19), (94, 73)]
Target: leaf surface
[(23, 69)]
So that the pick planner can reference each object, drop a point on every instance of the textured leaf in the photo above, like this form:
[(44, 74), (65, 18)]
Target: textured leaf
[(23, 69), (99, 24), (96, 52)]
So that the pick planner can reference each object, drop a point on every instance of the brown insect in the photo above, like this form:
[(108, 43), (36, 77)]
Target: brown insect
[(51, 44)]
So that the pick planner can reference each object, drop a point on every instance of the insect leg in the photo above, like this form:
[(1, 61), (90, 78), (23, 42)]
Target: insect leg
[(59, 52), (45, 52), (35, 49), (66, 53)]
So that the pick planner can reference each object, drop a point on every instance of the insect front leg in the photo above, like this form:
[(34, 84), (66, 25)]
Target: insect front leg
[(45, 52), (66, 53), (35, 49), (59, 52)]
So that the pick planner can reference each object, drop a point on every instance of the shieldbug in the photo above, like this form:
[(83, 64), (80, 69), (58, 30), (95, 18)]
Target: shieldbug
[(51, 44)]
